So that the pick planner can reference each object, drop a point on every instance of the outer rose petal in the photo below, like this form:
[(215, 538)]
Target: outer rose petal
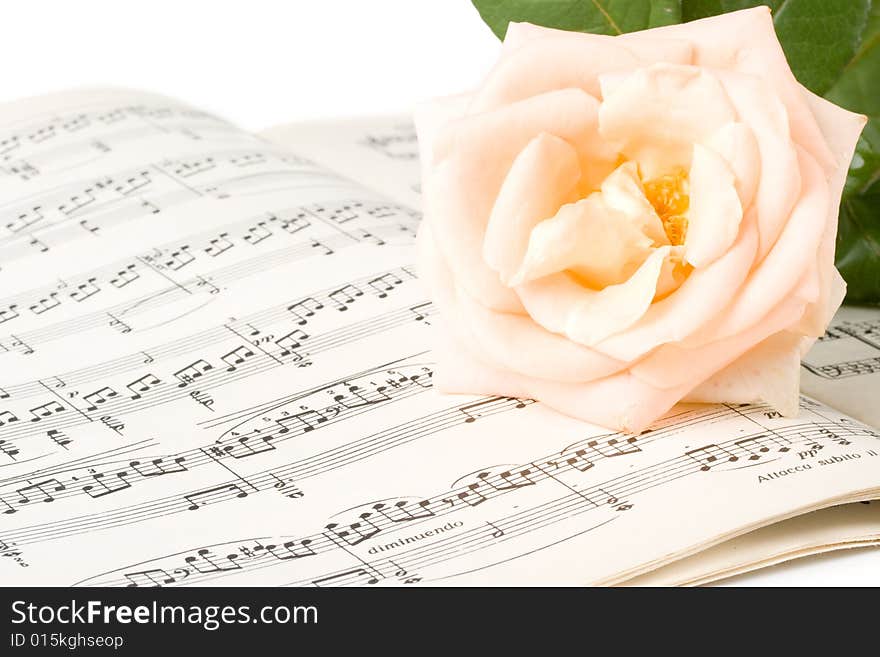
[(841, 129), (780, 273), (542, 178), (650, 113), (508, 341), (746, 41), (549, 63), (715, 211), (769, 373), (779, 183), (461, 188), (619, 402), (430, 117), (648, 50)]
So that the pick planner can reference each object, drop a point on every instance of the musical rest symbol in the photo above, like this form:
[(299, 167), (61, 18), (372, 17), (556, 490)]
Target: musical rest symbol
[(286, 487)]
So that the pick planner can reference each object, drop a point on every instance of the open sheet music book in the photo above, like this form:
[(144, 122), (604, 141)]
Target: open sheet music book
[(215, 369)]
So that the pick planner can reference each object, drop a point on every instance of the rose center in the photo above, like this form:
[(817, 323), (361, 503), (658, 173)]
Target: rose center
[(668, 194)]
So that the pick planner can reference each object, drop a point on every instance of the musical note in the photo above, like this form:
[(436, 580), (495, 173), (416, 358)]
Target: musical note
[(192, 372), (496, 531), (288, 550), (179, 258), (43, 488), (8, 449), (152, 577), (46, 410), (46, 303), (205, 562), (258, 233), (711, 455), (236, 357), (7, 417), (214, 495), (125, 276), (384, 284), (219, 245), (143, 384), (9, 313), (356, 532), (304, 309), (344, 296), (612, 447), (404, 511), (287, 343), (85, 290), (99, 398), (159, 467), (59, 437), (103, 486)]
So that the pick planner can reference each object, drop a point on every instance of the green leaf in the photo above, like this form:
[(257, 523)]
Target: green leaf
[(694, 9), (858, 236), (596, 16)]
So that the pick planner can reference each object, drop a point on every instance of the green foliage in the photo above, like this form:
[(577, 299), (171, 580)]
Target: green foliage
[(833, 47)]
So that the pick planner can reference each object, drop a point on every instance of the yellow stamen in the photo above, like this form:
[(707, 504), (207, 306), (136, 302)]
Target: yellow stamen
[(668, 194)]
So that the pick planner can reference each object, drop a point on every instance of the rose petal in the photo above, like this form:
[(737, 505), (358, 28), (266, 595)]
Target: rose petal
[(779, 183), (505, 340), (746, 41), (620, 401), (714, 213), (841, 129), (651, 116), (588, 238), (474, 155), (589, 316), (623, 191), (522, 204), (736, 143), (768, 373)]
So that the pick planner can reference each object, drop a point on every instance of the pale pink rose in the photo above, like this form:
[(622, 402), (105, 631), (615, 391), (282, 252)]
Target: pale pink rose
[(616, 224)]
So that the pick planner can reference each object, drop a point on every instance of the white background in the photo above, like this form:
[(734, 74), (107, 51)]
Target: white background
[(261, 63)]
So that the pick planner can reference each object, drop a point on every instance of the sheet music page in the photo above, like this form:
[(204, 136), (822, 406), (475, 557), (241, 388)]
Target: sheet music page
[(380, 152), (214, 369)]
